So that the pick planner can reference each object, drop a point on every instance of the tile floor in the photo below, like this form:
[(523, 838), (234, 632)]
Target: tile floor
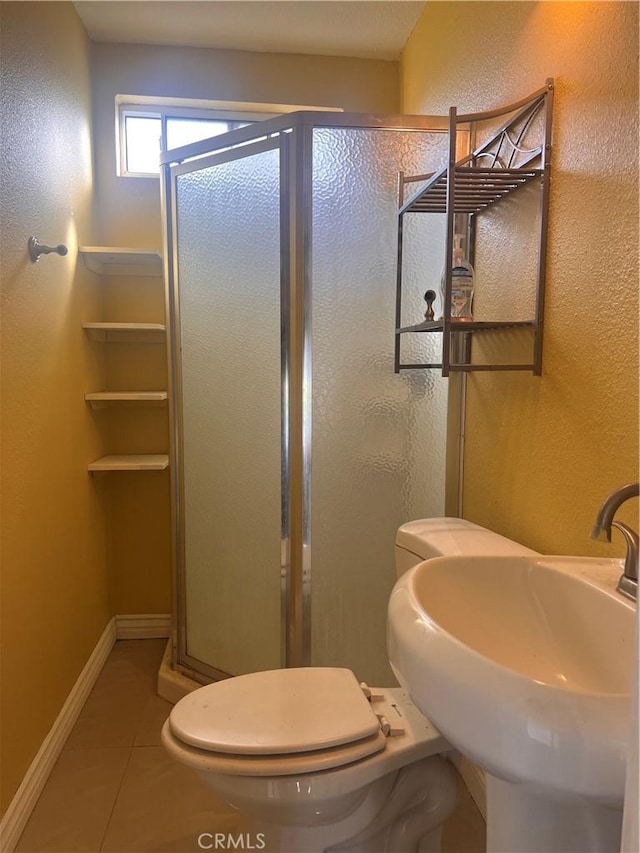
[(115, 789)]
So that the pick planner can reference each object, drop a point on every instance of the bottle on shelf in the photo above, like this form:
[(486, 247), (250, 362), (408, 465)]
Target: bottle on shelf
[(462, 284)]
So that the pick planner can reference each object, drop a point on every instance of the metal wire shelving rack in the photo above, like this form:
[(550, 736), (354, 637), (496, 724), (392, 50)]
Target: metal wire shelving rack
[(499, 167)]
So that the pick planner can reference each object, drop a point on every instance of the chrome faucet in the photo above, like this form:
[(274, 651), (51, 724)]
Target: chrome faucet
[(628, 583)]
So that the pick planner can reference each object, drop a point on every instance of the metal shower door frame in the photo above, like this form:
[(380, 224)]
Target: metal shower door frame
[(292, 134), (194, 667)]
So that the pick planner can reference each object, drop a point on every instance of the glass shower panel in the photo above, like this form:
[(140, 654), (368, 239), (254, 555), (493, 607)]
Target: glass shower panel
[(378, 439), (228, 230)]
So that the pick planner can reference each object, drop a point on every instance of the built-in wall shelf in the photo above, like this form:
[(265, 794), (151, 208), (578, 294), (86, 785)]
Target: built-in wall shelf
[(126, 332), (146, 462), (126, 397), (114, 261)]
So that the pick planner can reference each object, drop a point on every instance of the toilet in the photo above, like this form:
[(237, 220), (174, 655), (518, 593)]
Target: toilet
[(320, 762)]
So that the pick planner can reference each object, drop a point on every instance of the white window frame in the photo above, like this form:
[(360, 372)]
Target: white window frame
[(164, 108)]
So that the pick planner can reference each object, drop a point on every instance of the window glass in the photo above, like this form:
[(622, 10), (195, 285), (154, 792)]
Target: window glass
[(183, 131), (143, 135)]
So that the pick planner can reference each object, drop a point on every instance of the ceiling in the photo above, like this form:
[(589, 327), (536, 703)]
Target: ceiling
[(376, 29)]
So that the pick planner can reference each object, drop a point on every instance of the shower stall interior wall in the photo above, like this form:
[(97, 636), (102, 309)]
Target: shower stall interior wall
[(296, 451)]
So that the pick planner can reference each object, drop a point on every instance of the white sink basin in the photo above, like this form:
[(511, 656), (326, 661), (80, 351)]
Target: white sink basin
[(524, 664)]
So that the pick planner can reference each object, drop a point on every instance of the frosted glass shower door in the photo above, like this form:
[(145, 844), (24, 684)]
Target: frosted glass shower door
[(227, 223), (378, 438)]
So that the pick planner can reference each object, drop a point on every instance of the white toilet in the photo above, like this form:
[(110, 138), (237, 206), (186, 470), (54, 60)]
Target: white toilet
[(319, 762)]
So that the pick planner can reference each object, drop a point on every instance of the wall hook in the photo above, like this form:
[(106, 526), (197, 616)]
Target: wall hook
[(36, 249)]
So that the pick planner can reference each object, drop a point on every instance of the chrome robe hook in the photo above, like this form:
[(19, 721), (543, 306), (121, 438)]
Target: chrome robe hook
[(36, 249)]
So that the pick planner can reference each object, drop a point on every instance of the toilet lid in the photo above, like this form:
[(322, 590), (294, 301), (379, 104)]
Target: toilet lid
[(276, 712)]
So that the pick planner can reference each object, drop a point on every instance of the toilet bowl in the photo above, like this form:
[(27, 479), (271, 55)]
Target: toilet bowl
[(316, 760)]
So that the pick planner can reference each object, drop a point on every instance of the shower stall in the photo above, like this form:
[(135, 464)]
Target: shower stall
[(296, 451)]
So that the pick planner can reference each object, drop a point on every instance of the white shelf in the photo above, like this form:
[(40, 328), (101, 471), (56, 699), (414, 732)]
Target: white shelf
[(126, 332), (106, 260), (147, 462), (126, 396)]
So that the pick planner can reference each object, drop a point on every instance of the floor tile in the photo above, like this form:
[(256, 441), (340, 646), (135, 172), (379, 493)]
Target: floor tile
[(184, 836), (116, 705), (465, 831), (108, 721), (148, 651), (153, 717), (73, 811), (131, 667), (163, 806)]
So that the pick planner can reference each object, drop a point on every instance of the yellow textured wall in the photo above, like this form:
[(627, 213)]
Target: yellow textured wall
[(128, 211), (54, 573), (543, 452)]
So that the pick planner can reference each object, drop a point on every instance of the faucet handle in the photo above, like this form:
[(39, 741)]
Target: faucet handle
[(628, 584)]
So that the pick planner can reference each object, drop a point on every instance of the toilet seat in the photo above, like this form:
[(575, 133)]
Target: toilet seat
[(354, 763), (291, 764), (296, 720)]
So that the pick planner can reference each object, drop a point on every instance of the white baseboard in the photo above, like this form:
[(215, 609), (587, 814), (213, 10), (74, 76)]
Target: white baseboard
[(20, 808), (143, 626)]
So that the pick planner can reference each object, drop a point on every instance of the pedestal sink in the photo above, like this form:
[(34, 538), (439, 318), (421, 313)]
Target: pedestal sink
[(524, 664)]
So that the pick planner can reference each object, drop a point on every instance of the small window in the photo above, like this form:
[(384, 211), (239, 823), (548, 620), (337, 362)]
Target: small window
[(147, 126), (145, 135), (143, 143)]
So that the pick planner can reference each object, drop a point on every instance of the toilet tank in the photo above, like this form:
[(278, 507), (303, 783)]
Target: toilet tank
[(421, 540)]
